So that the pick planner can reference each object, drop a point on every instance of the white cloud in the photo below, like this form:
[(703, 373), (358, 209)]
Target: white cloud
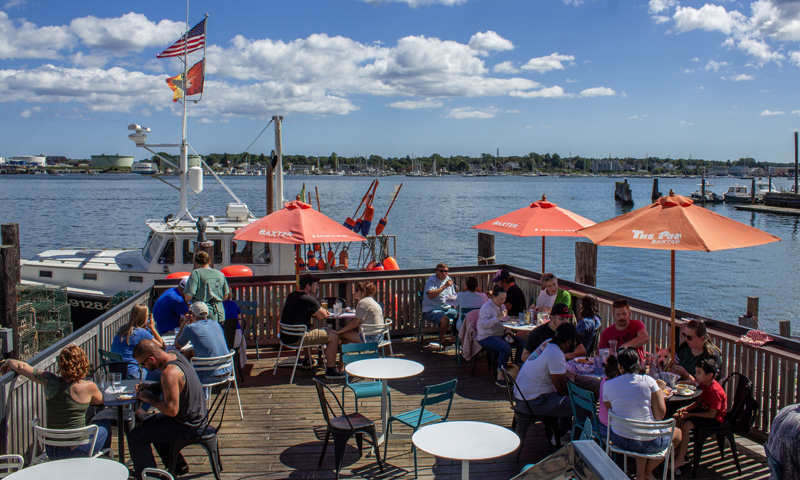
[(714, 65), (485, 42), (687, 70), (661, 18), (417, 3), (742, 77), (637, 117), (658, 6), (796, 112), (23, 39), (505, 67), (684, 123), (15, 4), (598, 92), (549, 92), (129, 32), (708, 17), (467, 112), (417, 104), (770, 113), (794, 57), (554, 61)]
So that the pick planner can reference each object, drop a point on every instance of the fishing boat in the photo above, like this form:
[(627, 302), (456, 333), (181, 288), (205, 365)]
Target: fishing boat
[(737, 194), (94, 275), (708, 197)]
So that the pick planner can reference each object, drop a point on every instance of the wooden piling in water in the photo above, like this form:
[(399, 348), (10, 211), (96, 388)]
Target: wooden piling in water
[(9, 271), (485, 249), (785, 328), (586, 263), (655, 194), (622, 192)]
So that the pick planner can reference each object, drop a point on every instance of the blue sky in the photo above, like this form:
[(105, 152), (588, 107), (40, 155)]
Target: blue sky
[(708, 79)]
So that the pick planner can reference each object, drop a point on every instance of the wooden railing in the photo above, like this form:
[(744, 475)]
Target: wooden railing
[(774, 368), (23, 400)]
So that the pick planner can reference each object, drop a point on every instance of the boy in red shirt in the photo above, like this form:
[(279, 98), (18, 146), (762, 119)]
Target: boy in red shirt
[(708, 410)]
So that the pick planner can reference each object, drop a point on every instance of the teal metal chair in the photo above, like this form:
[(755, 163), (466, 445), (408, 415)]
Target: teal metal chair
[(107, 356), (353, 352), (250, 308), (582, 398), (462, 314), (443, 392)]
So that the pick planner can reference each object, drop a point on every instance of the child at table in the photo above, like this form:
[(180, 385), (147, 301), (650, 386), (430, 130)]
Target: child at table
[(611, 370), (707, 411)]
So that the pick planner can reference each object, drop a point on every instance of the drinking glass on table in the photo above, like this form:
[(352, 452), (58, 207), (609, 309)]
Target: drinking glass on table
[(100, 380), (612, 347), (116, 379)]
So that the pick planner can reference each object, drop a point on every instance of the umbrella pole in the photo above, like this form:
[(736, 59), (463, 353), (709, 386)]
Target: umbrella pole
[(543, 255), (672, 306)]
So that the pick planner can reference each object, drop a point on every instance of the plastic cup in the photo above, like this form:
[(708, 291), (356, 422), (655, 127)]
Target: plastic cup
[(116, 379), (100, 380), (612, 347)]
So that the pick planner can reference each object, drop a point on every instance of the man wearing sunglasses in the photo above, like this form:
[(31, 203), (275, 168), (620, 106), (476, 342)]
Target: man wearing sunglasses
[(438, 288)]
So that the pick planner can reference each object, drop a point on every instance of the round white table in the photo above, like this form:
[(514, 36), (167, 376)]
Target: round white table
[(519, 327), (384, 369), (466, 441), (74, 468)]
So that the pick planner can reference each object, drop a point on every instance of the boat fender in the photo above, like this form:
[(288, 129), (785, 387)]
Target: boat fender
[(389, 263), (381, 226), (321, 263), (371, 266), (344, 260), (178, 275), (312, 260), (378, 268)]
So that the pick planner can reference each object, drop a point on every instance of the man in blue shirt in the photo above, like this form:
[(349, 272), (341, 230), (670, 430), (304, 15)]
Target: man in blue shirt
[(438, 291), (207, 340), (169, 308)]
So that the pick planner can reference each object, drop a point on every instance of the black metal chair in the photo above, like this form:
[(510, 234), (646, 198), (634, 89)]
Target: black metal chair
[(523, 421), (342, 427), (207, 438), (739, 419)]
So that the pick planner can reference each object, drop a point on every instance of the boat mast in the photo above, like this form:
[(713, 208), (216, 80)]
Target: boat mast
[(279, 167)]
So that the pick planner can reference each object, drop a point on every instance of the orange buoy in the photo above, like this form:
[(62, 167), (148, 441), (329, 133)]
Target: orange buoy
[(344, 260), (331, 258), (312, 260), (389, 263), (178, 275), (377, 268), (237, 271), (321, 263), (370, 265)]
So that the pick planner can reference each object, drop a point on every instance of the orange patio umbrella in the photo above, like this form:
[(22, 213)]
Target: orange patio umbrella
[(297, 224), (675, 223), (539, 219)]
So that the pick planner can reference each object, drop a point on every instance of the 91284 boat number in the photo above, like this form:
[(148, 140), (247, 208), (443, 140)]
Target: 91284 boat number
[(88, 304)]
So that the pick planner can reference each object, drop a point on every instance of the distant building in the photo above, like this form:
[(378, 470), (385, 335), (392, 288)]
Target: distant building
[(55, 160), (606, 166), (512, 165), (781, 171), (2, 160), (28, 160), (740, 171), (112, 161), (717, 171)]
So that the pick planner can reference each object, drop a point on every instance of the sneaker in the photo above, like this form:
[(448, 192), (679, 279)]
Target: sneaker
[(333, 374), (500, 383)]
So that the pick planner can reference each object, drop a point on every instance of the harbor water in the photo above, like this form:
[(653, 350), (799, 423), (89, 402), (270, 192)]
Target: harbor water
[(431, 220)]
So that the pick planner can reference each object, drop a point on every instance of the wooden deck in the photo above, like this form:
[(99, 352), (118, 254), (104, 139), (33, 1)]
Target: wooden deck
[(281, 435)]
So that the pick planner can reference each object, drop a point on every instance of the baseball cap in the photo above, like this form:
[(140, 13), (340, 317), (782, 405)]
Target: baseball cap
[(560, 309), (308, 279), (183, 281), (199, 310), (501, 274)]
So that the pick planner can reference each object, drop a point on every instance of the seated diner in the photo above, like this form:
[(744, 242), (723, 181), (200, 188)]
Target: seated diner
[(551, 294), (538, 337), (140, 326), (491, 333), (627, 332), (695, 347)]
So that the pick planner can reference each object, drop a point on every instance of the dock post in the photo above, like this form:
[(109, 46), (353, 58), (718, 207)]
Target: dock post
[(655, 194), (10, 237), (753, 191), (785, 328), (485, 248), (752, 306), (9, 270), (586, 263), (622, 192)]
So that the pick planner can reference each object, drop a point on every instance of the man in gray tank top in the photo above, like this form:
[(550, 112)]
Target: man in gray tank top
[(181, 404)]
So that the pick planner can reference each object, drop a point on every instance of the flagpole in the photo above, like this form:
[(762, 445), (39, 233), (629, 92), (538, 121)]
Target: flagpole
[(184, 213)]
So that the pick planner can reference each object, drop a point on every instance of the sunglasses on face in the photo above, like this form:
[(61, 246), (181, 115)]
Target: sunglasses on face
[(443, 271), (689, 337), (141, 364)]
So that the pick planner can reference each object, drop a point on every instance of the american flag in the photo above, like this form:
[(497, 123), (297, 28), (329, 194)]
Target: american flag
[(196, 40)]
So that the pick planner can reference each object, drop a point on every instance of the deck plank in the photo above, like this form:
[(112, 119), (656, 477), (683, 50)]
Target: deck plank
[(281, 435)]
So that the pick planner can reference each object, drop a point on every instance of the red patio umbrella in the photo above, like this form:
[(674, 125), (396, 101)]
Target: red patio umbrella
[(539, 219), (675, 223)]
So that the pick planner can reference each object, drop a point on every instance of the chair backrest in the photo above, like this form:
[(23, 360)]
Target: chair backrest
[(248, 307), (639, 428), (774, 466), (156, 474), (586, 434), (10, 464), (376, 328), (71, 437), (441, 392), (294, 330), (520, 397), (353, 352), (592, 341), (744, 407), (580, 397), (509, 387), (211, 364), (120, 367), (462, 315), (108, 356), (327, 410), (220, 401)]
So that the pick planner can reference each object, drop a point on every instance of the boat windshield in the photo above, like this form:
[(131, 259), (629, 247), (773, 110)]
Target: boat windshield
[(150, 247)]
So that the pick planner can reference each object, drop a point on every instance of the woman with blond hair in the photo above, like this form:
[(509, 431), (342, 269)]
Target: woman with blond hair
[(67, 397), (140, 326)]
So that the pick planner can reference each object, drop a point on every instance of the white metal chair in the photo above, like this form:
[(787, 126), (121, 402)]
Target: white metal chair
[(10, 464), (380, 328), (210, 364), (297, 331), (643, 429), (156, 474), (68, 437)]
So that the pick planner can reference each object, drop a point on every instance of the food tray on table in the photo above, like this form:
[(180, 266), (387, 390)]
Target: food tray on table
[(583, 365)]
